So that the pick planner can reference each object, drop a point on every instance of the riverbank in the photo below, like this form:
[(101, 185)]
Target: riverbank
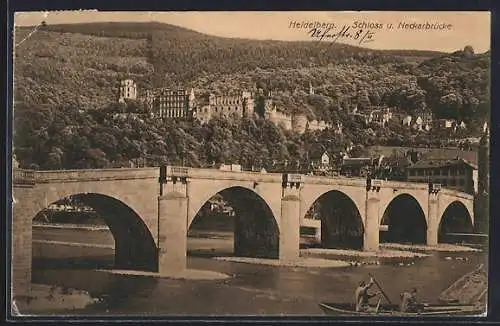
[(188, 274), (441, 247), (350, 253), (300, 262), (89, 227), (43, 298)]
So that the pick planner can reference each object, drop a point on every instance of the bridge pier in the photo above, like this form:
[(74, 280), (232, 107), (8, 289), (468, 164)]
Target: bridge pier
[(24, 209), (172, 233), (289, 248), (432, 221), (371, 232), (317, 234)]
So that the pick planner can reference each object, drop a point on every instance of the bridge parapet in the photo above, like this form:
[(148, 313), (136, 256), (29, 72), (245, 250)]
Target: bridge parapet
[(96, 175), (344, 181), (406, 185), (21, 177), (197, 173), (456, 193)]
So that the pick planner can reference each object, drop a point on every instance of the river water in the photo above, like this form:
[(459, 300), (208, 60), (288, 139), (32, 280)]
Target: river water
[(252, 289)]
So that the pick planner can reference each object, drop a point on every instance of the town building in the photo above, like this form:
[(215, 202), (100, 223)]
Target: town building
[(442, 124), (393, 167), (377, 115), (128, 90), (15, 163), (320, 161), (423, 120), (455, 173), (318, 125), (406, 121), (356, 166), (380, 116)]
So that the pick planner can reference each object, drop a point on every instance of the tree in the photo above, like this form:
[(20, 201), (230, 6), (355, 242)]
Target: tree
[(468, 52)]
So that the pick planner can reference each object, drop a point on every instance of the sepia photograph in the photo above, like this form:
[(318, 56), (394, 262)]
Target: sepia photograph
[(250, 163)]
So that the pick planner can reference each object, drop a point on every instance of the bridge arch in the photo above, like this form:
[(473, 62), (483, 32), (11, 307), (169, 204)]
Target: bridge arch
[(405, 220), (255, 225), (341, 220), (200, 194), (309, 196), (456, 218), (135, 247), (448, 198)]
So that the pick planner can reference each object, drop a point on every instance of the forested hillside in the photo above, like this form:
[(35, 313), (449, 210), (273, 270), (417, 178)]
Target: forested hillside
[(66, 76)]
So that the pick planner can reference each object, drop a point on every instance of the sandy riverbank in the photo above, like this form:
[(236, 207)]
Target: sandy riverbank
[(188, 274), (43, 298), (382, 253), (301, 262), (443, 247)]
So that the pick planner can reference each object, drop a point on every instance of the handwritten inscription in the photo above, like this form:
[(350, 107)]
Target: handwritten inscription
[(361, 32), (345, 33)]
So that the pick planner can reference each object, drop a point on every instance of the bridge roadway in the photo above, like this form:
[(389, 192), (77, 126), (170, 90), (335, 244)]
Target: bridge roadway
[(150, 210)]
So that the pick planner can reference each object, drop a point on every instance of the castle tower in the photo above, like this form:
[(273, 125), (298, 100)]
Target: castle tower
[(248, 104), (128, 90), (191, 100)]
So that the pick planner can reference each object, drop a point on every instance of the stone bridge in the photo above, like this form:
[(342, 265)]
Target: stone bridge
[(149, 211)]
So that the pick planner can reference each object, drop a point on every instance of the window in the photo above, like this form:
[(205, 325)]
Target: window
[(412, 172), (461, 182), (420, 172), (453, 182)]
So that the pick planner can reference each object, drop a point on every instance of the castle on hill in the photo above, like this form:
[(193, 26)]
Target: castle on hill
[(179, 103)]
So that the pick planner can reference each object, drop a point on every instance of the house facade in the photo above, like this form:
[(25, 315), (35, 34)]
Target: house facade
[(455, 174), (128, 90)]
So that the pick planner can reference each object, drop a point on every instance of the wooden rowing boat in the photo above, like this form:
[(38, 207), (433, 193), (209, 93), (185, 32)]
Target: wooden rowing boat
[(347, 309)]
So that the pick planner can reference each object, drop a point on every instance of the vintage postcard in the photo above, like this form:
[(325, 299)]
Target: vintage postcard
[(250, 163)]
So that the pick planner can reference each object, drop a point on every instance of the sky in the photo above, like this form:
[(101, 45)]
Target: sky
[(462, 28)]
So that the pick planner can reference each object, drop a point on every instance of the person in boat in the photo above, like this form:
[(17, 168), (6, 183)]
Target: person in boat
[(362, 296), (409, 302)]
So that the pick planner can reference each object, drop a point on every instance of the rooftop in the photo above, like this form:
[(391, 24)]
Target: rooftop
[(356, 160), (437, 163)]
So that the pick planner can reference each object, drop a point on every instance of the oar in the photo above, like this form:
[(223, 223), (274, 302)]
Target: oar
[(380, 288)]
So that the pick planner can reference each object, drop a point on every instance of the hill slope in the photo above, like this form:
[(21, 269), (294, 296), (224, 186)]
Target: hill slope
[(62, 69), (81, 63)]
